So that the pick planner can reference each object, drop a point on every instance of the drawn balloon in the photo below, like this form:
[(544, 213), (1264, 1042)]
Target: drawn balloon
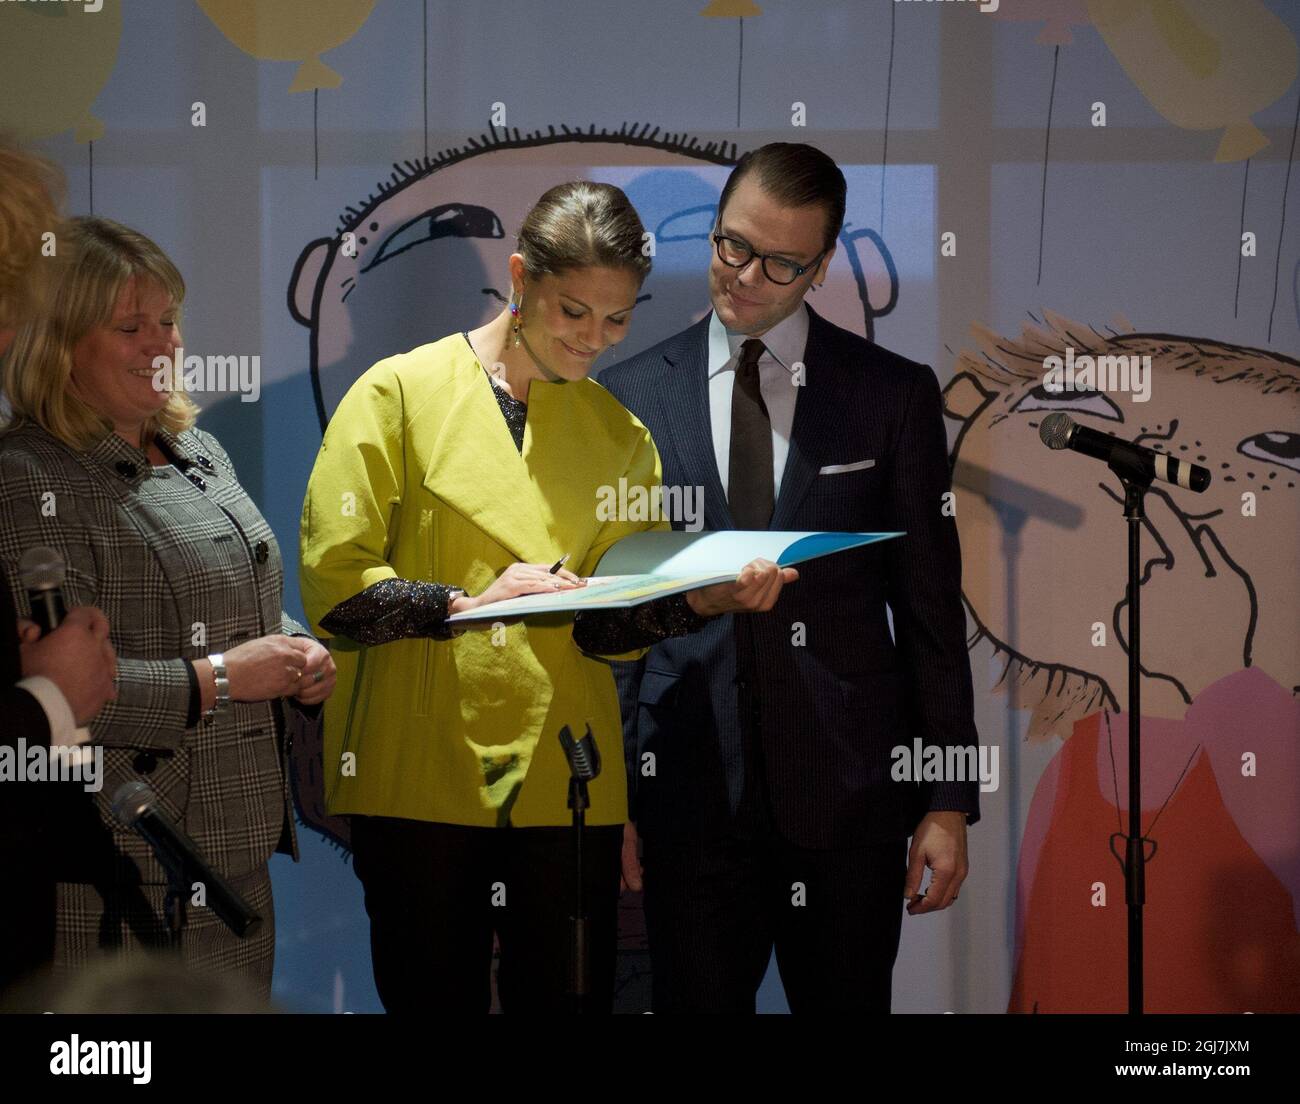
[(54, 61), (1203, 64), (291, 30)]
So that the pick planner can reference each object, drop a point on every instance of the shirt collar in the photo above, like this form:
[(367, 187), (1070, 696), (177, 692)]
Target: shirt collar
[(786, 341)]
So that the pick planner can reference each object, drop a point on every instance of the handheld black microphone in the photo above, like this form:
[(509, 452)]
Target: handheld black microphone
[(1059, 431), (136, 807), (42, 571)]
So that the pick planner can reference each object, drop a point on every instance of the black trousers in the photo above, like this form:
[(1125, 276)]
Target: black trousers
[(26, 920), (715, 910), (436, 893)]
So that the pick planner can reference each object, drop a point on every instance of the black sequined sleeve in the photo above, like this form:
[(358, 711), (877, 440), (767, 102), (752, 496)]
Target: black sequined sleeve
[(613, 632), (393, 609)]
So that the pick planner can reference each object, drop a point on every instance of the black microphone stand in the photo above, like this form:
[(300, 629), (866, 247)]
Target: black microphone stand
[(584, 765), (174, 902), (1133, 863)]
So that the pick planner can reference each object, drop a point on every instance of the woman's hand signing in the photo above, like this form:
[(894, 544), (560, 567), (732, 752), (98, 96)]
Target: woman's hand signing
[(519, 579), (756, 591)]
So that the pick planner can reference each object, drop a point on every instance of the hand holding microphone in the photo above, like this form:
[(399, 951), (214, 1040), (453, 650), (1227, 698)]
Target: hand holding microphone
[(70, 648)]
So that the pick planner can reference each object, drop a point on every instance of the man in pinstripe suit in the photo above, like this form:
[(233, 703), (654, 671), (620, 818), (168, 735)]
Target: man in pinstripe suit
[(759, 749)]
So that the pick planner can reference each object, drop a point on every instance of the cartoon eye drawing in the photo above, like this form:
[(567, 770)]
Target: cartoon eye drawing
[(450, 220), (1082, 402), (1273, 447)]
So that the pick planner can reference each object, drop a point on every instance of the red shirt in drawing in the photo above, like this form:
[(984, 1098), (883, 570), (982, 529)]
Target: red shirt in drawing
[(1220, 919)]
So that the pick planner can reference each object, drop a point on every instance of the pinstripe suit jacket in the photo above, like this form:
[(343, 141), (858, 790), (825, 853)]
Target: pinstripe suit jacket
[(826, 712), (166, 562)]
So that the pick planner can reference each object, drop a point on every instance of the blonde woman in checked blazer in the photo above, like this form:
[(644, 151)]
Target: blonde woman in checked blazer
[(146, 511)]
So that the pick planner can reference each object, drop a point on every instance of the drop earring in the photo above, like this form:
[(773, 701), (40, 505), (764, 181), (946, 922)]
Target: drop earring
[(515, 314)]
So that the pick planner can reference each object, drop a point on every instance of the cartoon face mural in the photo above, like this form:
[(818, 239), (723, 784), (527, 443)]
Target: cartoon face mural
[(1046, 548), (427, 255), (1052, 525)]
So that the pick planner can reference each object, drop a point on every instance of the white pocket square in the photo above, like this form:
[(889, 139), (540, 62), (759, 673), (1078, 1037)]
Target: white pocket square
[(839, 469)]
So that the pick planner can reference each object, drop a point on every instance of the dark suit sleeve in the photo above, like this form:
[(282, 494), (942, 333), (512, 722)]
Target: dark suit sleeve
[(627, 677), (924, 588), (22, 717)]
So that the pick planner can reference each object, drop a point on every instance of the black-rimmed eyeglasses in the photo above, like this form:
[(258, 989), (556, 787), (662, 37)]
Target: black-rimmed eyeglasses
[(734, 253)]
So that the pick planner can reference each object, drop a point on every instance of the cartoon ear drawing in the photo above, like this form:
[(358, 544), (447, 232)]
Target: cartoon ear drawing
[(874, 272), (305, 287), (964, 397), (305, 283)]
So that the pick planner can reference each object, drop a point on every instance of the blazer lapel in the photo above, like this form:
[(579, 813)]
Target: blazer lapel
[(814, 419), (686, 400), (475, 468)]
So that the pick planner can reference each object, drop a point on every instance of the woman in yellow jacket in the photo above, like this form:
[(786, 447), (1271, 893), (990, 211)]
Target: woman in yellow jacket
[(459, 474)]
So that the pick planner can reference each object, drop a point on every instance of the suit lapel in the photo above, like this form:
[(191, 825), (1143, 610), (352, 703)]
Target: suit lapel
[(814, 420), (476, 469), (686, 399)]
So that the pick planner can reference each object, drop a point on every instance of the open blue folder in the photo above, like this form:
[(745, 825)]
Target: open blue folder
[(646, 566)]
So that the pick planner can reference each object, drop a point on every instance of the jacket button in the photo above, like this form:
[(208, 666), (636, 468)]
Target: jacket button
[(125, 469), (261, 550), (145, 762)]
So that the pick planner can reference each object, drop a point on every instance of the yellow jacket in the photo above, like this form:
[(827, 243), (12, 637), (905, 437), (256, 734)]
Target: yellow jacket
[(419, 478)]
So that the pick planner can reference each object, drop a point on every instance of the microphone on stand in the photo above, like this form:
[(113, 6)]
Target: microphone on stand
[(582, 754), (1136, 466), (136, 807), (584, 765), (1059, 431)]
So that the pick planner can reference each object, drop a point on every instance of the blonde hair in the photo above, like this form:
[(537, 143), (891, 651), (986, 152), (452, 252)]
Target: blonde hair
[(36, 374), (1008, 362), (31, 191)]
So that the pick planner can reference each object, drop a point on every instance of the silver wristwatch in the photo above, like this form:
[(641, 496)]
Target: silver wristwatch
[(222, 701)]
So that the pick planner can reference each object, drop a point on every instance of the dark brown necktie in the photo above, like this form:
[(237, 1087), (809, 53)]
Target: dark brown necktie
[(750, 492)]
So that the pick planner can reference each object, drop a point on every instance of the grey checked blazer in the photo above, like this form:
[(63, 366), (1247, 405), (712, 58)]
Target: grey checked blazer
[(164, 560)]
